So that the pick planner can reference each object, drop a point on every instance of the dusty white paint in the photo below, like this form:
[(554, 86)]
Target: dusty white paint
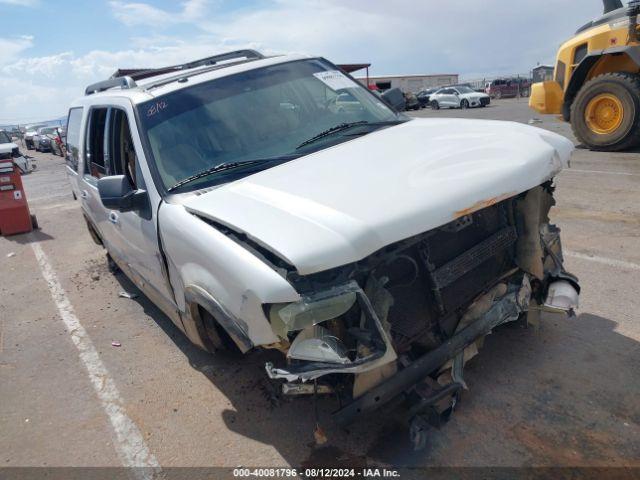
[(612, 262), (338, 205), (128, 441)]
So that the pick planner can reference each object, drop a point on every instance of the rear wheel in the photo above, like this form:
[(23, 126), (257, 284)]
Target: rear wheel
[(605, 114)]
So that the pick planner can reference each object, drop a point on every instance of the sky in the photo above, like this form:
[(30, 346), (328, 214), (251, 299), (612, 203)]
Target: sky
[(50, 50)]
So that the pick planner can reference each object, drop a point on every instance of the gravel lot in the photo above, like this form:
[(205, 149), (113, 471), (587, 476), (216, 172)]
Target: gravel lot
[(564, 395)]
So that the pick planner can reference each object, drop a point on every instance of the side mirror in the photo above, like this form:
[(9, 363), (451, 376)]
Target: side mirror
[(456, 94), (117, 193)]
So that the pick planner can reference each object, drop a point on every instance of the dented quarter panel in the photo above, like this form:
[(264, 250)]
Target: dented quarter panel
[(235, 278), (343, 203)]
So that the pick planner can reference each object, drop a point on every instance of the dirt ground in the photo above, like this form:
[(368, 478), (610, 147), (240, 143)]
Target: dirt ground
[(567, 394)]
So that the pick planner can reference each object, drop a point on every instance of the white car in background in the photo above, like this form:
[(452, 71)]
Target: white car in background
[(10, 151), (30, 132), (458, 97)]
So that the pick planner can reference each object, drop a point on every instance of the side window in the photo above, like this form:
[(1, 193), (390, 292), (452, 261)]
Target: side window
[(122, 153), (73, 137), (94, 144)]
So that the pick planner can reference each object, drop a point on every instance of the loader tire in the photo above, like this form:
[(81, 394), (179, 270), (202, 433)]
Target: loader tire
[(605, 115)]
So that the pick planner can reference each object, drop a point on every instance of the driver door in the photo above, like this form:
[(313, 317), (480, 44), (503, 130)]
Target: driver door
[(132, 236)]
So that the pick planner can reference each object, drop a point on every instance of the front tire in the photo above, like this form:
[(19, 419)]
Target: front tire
[(464, 104), (605, 115), (435, 105)]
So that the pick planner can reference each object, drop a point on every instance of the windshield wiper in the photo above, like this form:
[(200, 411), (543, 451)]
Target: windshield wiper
[(344, 126), (223, 167)]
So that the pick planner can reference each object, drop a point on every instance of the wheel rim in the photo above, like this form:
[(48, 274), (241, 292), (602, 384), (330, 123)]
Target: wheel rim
[(604, 113)]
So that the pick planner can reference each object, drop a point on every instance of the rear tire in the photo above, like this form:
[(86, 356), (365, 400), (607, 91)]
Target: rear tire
[(605, 115)]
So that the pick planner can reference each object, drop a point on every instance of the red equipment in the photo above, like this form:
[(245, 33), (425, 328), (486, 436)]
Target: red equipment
[(14, 209)]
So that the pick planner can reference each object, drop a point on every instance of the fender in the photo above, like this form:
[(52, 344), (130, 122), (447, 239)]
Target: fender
[(194, 327), (583, 69)]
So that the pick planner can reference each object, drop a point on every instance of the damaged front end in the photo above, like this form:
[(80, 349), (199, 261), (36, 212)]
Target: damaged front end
[(403, 322)]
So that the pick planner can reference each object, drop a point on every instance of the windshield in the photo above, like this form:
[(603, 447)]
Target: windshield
[(465, 90), (264, 113), (4, 138)]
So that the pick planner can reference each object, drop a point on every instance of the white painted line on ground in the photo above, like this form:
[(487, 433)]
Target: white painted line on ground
[(601, 172), (612, 262), (128, 441)]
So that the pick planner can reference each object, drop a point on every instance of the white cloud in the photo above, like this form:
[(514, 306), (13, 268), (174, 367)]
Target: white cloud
[(21, 3), (11, 48), (132, 14)]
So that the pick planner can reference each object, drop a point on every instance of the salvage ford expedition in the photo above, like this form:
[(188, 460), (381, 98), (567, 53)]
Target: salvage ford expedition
[(375, 251)]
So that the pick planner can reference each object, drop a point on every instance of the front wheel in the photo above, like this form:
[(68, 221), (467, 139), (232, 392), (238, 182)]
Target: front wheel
[(605, 114), (464, 104), (435, 105)]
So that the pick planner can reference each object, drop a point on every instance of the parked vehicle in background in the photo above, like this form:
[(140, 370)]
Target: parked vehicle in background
[(411, 101), (395, 99), (423, 96), (256, 216), (508, 87), (29, 133), (458, 97), (10, 151), (44, 138)]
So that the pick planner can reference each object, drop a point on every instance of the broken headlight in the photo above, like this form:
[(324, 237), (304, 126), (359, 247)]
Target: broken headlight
[(313, 343), (310, 311)]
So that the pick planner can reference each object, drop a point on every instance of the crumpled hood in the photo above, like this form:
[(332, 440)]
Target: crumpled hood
[(7, 147), (341, 204)]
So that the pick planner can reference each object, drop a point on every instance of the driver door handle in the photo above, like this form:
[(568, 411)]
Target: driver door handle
[(113, 217), (84, 194)]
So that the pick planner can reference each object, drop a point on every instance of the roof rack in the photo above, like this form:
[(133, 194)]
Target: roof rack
[(122, 82), (140, 73), (126, 78)]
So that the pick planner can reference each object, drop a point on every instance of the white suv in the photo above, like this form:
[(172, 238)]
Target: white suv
[(458, 97), (373, 250)]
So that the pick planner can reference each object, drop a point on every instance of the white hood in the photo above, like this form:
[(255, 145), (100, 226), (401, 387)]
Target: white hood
[(341, 204)]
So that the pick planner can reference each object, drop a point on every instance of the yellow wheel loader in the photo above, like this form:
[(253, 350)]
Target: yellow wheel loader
[(596, 84)]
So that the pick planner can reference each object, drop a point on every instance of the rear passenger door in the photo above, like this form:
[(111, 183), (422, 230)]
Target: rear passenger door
[(93, 167), (447, 98)]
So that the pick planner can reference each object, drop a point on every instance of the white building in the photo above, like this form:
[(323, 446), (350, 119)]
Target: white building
[(410, 83)]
